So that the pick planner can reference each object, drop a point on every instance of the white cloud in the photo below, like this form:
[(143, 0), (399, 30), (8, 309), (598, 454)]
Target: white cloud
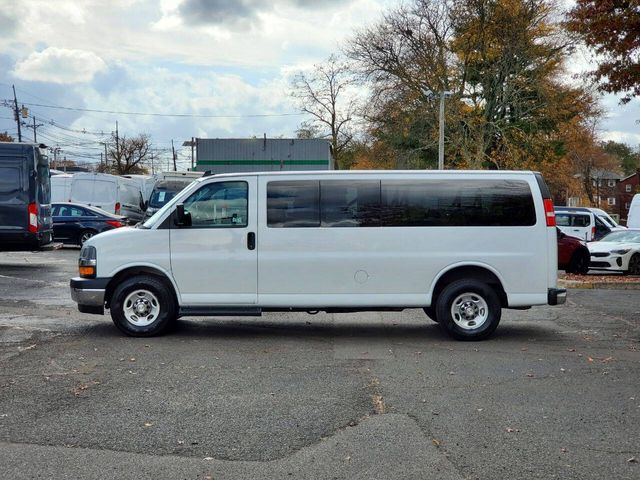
[(59, 65)]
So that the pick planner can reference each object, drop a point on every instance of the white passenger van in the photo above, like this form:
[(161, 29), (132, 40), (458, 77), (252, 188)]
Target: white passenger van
[(118, 195), (461, 245)]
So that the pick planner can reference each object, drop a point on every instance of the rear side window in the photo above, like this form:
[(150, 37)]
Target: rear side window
[(10, 180), (457, 203)]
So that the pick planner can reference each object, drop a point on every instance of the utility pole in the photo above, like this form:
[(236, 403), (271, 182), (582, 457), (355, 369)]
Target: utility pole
[(16, 113), (106, 157), (153, 170), (35, 127), (117, 143), (55, 151), (175, 167), (192, 145)]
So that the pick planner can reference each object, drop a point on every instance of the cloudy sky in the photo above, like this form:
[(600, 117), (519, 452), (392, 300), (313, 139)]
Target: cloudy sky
[(228, 61)]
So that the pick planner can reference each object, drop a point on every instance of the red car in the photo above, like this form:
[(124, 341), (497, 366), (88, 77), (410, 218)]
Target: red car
[(573, 254)]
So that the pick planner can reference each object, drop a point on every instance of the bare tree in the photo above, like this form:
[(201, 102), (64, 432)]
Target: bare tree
[(129, 154), (322, 93)]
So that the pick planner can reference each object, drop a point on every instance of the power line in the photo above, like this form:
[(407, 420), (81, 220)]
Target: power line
[(153, 114)]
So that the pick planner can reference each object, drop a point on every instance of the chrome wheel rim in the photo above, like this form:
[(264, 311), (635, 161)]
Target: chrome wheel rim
[(469, 311), (85, 236), (141, 308)]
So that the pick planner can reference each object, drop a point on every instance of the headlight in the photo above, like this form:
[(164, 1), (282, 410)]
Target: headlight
[(87, 262), (622, 251)]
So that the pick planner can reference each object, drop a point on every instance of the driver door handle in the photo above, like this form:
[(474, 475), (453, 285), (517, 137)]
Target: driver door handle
[(251, 241)]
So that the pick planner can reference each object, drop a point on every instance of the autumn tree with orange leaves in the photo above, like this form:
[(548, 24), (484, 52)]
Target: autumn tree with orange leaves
[(611, 29)]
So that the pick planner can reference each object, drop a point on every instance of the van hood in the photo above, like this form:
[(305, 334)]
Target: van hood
[(116, 235)]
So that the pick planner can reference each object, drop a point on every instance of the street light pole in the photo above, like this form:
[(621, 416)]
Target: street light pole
[(443, 94), (441, 135)]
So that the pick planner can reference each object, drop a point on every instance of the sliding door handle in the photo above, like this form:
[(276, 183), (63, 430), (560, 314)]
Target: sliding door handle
[(251, 241)]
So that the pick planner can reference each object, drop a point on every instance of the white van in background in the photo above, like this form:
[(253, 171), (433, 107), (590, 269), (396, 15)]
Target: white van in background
[(60, 187), (145, 183), (633, 218), (118, 195), (462, 245), (582, 223)]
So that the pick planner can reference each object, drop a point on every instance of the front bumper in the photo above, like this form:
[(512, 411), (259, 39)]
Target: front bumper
[(556, 296), (89, 294), (606, 261)]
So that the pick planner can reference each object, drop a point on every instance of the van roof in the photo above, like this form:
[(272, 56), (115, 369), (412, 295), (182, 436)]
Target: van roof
[(346, 173)]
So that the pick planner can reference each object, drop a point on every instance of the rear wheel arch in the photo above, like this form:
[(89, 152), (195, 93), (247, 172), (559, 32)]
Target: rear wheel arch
[(470, 272), (130, 272)]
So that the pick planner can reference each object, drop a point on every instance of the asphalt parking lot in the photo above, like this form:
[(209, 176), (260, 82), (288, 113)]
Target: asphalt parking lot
[(554, 394)]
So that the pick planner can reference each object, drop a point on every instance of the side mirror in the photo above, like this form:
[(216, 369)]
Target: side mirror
[(184, 218)]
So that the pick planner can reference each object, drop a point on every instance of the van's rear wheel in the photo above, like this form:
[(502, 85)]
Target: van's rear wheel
[(431, 313), (468, 310), (143, 306)]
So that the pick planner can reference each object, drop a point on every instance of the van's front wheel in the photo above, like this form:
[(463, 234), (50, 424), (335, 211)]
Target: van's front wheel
[(468, 310), (143, 306)]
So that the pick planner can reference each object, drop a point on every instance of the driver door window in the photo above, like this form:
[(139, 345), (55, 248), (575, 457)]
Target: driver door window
[(219, 205)]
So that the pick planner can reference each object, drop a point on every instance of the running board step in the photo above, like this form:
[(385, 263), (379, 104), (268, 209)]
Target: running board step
[(220, 312)]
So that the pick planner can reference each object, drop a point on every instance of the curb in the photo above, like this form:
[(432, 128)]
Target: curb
[(598, 285)]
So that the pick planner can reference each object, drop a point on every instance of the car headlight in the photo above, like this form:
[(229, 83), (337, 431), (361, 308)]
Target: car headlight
[(88, 261), (622, 251)]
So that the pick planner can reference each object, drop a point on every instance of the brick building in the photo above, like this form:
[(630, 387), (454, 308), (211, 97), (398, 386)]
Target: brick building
[(627, 187)]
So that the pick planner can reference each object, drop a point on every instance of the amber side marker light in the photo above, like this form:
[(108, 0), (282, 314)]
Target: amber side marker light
[(87, 272), (87, 262)]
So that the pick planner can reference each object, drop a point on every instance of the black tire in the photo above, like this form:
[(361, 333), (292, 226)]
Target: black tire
[(634, 265), (431, 313), (479, 298), (162, 313), (85, 235), (579, 263)]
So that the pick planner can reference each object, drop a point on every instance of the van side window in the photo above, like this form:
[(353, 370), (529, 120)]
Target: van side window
[(293, 204), (350, 204), (581, 221), (221, 204), (400, 203)]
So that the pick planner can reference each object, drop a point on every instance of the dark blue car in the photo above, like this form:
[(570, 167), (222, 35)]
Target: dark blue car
[(75, 224)]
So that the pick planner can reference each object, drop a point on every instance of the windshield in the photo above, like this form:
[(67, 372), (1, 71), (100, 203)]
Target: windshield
[(169, 205), (606, 221), (627, 236), (160, 197)]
